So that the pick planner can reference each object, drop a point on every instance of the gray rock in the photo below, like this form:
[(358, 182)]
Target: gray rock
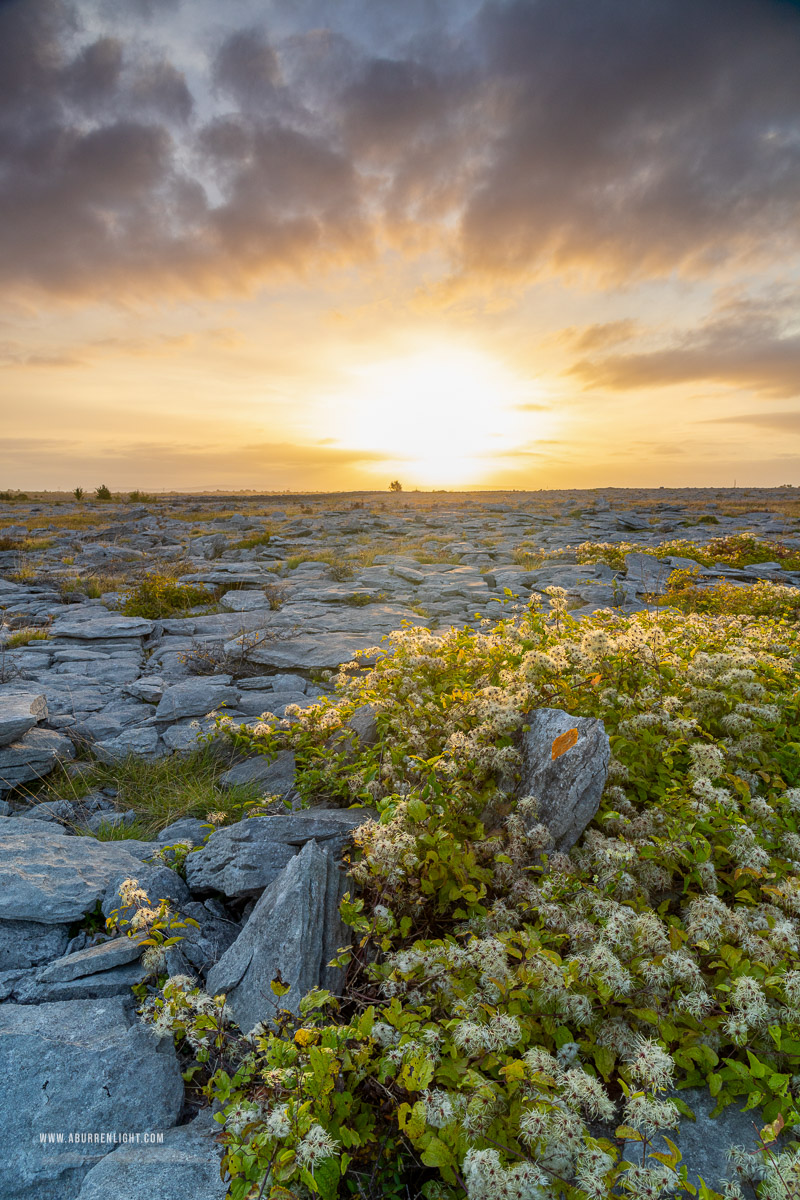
[(360, 732), (117, 981), (704, 1142), (185, 829), (185, 736), (274, 777), (25, 944), (14, 823), (307, 652), (33, 757), (148, 689), (53, 879), (114, 953), (238, 860), (50, 810), (20, 710), (295, 928), (143, 741), (77, 1066), (186, 1166), (109, 819), (100, 624), (646, 573), (565, 764), (195, 698), (202, 946)]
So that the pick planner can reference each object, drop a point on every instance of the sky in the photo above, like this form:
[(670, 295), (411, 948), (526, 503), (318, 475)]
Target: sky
[(325, 244)]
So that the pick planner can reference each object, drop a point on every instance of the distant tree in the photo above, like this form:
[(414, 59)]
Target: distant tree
[(102, 492), (395, 486), (78, 493)]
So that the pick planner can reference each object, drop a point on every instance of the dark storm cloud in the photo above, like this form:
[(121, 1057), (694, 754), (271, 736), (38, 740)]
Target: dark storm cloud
[(517, 137), (247, 67), (746, 344), (640, 138)]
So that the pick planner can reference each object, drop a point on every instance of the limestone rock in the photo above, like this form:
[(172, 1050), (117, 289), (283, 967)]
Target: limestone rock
[(195, 698), (157, 880), (53, 879), (185, 829), (104, 624), (704, 1142), (295, 928), (237, 860), (25, 944), (200, 948), (142, 741), (19, 711), (184, 1167), (78, 1065), (114, 953), (34, 756), (565, 765), (646, 573), (274, 777), (101, 985)]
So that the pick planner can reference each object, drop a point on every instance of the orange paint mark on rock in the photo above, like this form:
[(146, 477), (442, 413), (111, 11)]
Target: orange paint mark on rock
[(564, 742)]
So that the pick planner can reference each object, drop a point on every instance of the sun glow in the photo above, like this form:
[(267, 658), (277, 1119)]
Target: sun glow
[(440, 416)]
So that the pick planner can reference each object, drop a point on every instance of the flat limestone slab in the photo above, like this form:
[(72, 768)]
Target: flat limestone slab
[(77, 1065), (101, 625), (53, 879), (184, 1167)]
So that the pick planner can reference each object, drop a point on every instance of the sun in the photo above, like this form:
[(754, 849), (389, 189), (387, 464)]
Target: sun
[(440, 415)]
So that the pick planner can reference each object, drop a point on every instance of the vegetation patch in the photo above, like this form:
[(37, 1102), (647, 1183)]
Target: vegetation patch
[(686, 592), (159, 792), (158, 595), (736, 550), (22, 637), (512, 1014)]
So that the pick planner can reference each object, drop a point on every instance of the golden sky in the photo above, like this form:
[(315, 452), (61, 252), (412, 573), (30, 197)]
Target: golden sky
[(322, 244)]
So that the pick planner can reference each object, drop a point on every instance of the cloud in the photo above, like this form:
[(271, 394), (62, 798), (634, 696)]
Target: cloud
[(59, 462), (637, 138), (515, 139), (781, 422), (599, 336), (745, 343), (246, 67)]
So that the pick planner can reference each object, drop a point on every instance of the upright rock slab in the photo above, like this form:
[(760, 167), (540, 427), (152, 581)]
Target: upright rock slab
[(565, 766), (295, 928), (81, 1066)]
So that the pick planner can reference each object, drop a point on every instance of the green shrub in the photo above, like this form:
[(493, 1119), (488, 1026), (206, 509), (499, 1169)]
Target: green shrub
[(251, 542), (762, 599), (102, 492), (159, 595), (23, 636)]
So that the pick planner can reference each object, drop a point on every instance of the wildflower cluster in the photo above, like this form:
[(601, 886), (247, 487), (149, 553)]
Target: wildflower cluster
[(509, 1009)]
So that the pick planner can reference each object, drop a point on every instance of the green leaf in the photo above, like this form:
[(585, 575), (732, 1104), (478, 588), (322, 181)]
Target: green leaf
[(605, 1058), (437, 1154)]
